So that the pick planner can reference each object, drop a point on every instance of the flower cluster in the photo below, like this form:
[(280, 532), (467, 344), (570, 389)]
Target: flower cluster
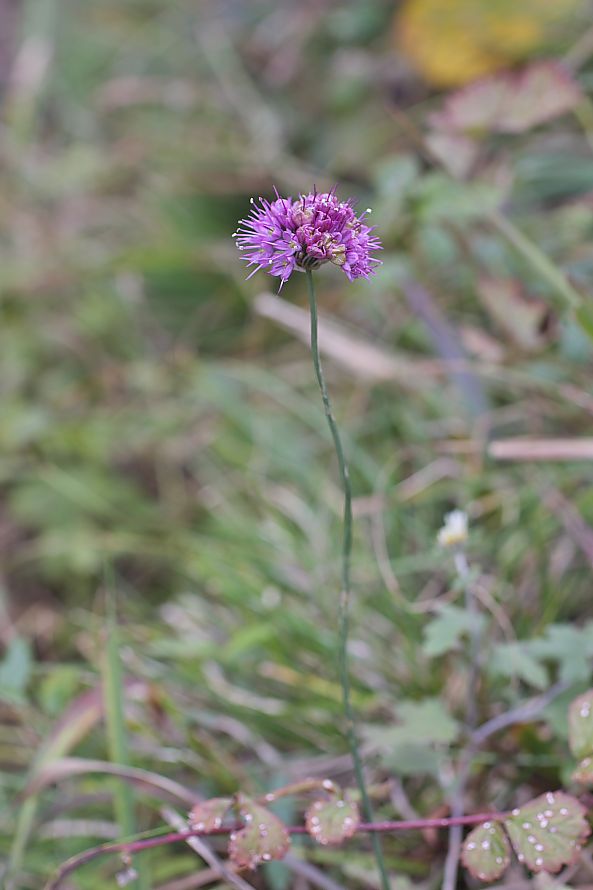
[(283, 235), (454, 531)]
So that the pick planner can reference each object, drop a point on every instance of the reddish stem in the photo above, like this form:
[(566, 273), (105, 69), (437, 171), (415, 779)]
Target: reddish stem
[(421, 824), (174, 837)]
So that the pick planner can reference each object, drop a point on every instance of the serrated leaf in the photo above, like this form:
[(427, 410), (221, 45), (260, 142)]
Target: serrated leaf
[(263, 838), (411, 747), (425, 721), (571, 647), (580, 725), (332, 821), (548, 832), (514, 660), (486, 852), (207, 815)]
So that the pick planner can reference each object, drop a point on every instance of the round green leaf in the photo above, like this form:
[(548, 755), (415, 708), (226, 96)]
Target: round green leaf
[(207, 815), (332, 821), (486, 852), (263, 838)]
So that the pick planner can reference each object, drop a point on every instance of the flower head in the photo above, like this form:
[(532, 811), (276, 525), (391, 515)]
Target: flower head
[(454, 530), (283, 235)]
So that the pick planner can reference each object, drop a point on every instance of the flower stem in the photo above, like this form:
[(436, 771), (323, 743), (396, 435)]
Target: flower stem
[(344, 601), (464, 764)]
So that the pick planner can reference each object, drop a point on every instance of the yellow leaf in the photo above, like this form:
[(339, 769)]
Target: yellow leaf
[(452, 42)]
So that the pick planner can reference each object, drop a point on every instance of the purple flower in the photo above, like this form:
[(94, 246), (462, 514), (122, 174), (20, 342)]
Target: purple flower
[(284, 235)]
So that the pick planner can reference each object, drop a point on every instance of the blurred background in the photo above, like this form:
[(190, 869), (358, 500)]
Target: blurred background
[(160, 428)]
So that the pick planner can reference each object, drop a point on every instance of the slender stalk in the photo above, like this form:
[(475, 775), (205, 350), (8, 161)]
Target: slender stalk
[(463, 573), (345, 594), (451, 868), (24, 827)]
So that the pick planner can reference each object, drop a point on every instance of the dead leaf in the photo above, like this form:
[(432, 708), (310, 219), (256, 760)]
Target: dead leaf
[(526, 320)]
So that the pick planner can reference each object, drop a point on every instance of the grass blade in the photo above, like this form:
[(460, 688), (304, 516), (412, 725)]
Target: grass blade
[(113, 689)]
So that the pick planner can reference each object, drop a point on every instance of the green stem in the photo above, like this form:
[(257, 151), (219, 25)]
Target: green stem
[(344, 602), (457, 792), (24, 827)]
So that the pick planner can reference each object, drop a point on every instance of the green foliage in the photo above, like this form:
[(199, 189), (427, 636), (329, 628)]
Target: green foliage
[(412, 746), (435, 193), (15, 671), (568, 648), (332, 821), (445, 632), (515, 660)]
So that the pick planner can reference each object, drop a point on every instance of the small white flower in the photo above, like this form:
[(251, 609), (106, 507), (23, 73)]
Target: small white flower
[(454, 530)]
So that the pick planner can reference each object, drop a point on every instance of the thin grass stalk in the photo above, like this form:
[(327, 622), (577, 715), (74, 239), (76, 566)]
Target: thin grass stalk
[(116, 730), (24, 827)]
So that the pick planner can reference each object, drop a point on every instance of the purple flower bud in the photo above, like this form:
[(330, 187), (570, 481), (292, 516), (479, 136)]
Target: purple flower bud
[(285, 235)]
